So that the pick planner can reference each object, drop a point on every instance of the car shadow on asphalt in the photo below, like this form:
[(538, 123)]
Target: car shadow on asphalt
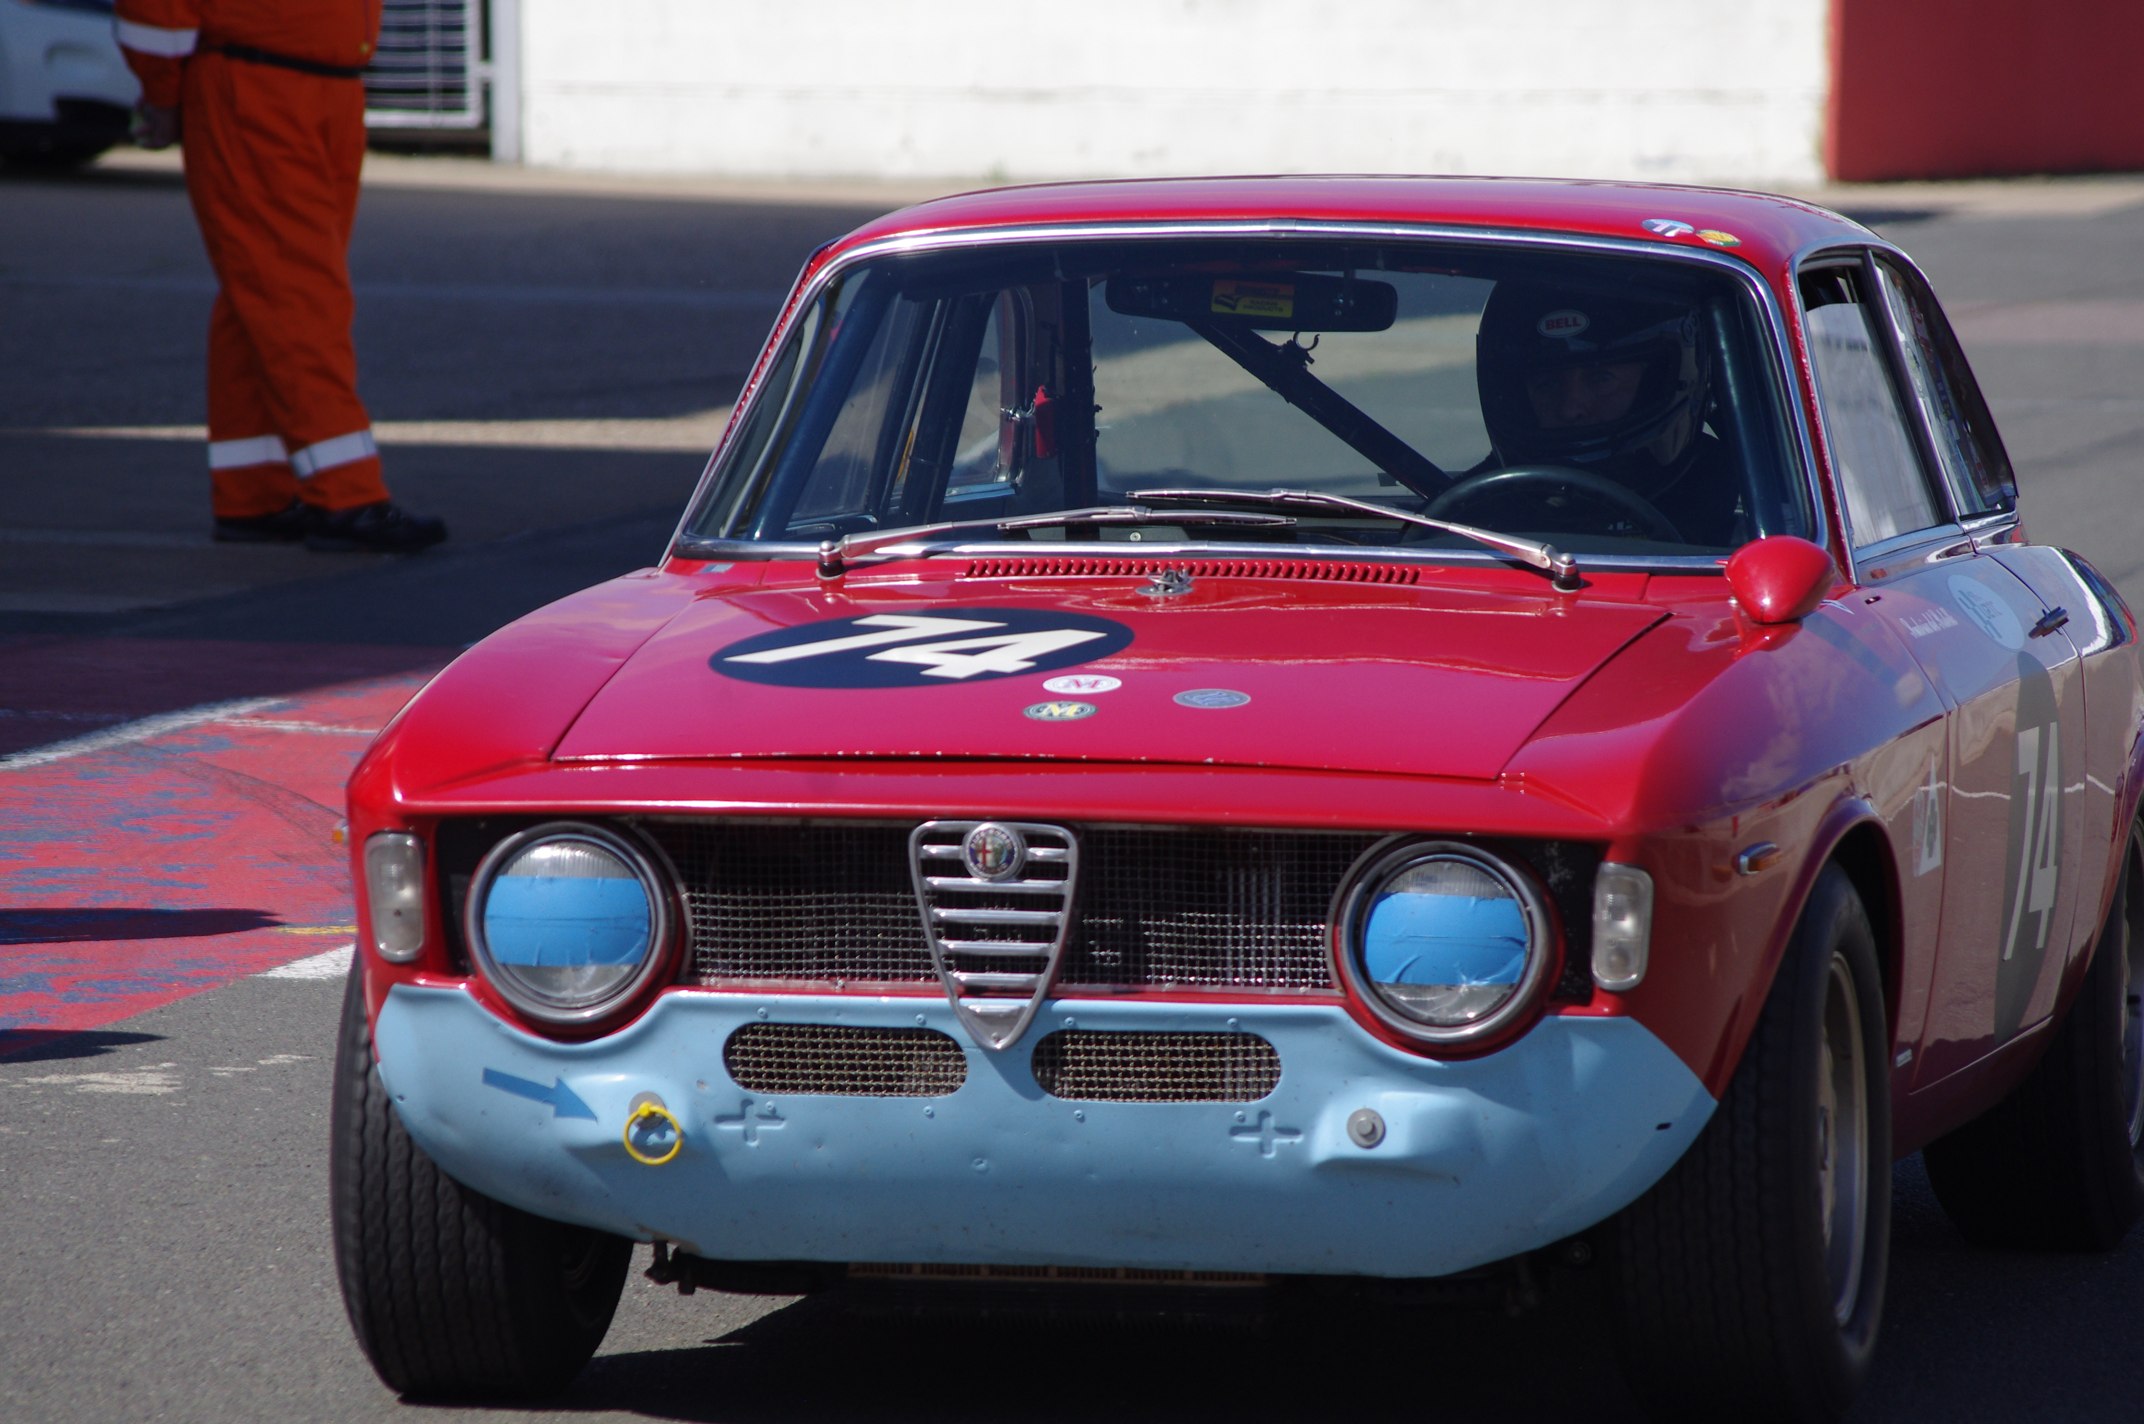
[(45, 1045)]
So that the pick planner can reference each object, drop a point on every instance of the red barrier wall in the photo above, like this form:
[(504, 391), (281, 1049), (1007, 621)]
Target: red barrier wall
[(1958, 88)]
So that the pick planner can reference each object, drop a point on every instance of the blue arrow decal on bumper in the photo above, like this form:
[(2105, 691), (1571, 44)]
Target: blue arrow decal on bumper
[(563, 1100)]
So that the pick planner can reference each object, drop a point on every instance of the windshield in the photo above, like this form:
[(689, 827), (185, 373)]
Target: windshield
[(1616, 405)]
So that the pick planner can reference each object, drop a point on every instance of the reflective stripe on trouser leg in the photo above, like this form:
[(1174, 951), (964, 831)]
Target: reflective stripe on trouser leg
[(249, 477), (254, 450), (334, 451)]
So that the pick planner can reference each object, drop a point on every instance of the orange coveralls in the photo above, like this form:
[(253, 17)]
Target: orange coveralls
[(273, 127)]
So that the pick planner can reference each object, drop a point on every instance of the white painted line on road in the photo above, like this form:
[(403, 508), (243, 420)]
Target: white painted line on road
[(335, 964), (693, 433), (154, 1081), (132, 732), (321, 729), (767, 301)]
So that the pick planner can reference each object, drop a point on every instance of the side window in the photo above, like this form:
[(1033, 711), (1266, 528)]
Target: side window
[(1972, 454), (841, 492), (1880, 476)]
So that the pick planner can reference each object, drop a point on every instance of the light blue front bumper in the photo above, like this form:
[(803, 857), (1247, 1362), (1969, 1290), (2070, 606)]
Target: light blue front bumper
[(1479, 1159)]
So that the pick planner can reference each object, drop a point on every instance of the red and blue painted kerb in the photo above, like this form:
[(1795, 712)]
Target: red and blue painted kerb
[(176, 853)]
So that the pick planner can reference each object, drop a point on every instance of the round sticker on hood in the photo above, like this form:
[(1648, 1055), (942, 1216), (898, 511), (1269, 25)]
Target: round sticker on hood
[(922, 649)]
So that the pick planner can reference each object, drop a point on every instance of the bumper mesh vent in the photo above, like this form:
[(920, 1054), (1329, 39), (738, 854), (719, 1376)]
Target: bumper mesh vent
[(835, 1061), (1104, 1067)]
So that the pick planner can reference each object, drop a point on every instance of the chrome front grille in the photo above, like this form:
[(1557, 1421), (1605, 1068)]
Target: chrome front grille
[(996, 935), (843, 1061), (835, 903), (1141, 1067)]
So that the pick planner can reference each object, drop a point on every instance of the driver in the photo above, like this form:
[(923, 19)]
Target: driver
[(1616, 383)]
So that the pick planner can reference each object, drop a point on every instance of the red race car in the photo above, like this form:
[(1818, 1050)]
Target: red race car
[(1275, 733)]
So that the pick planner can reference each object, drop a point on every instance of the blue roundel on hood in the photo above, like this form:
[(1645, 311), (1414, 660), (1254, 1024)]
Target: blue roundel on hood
[(924, 649)]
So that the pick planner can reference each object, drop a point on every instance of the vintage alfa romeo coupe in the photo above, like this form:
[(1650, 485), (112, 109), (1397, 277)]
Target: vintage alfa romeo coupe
[(1292, 731)]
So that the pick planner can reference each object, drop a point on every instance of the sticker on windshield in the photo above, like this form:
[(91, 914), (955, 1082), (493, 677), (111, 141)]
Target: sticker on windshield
[(1254, 299), (922, 649)]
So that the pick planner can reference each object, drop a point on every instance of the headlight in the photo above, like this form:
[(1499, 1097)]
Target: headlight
[(568, 921), (1444, 942)]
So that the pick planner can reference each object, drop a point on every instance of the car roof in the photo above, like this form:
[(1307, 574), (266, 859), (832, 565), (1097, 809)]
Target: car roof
[(1762, 228)]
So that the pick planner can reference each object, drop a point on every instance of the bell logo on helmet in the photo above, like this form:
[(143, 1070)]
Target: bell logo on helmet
[(1564, 324)]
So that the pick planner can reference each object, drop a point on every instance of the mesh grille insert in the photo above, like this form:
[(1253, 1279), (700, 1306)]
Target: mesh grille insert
[(836, 903), (837, 1061), (1097, 1066)]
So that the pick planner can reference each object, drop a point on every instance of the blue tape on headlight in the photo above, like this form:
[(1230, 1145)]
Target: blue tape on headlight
[(566, 920)]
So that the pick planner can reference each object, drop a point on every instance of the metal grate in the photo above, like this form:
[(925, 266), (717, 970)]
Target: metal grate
[(832, 1060), (1094, 566), (834, 903), (1096, 1066), (428, 70)]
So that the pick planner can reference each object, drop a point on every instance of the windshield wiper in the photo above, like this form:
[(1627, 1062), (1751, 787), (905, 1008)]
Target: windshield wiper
[(1561, 568), (837, 554)]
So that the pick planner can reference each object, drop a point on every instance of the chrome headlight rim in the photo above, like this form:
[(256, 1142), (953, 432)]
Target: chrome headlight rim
[(1383, 863), (649, 867)]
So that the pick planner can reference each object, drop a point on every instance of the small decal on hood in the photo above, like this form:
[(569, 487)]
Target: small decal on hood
[(1060, 711), (922, 649), (1083, 684), (1209, 698)]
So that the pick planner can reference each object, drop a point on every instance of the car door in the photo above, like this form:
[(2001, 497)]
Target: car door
[(2000, 815)]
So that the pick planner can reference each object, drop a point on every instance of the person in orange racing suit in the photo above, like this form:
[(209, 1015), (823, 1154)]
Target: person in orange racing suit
[(269, 98)]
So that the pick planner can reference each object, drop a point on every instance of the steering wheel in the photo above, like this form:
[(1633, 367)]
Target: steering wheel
[(1490, 483)]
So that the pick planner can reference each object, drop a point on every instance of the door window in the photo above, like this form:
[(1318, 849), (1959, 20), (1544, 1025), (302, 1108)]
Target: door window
[(1971, 453), (1885, 490)]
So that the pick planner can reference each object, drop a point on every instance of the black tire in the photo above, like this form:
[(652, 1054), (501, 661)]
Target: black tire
[(2058, 1164), (1750, 1280), (452, 1294)]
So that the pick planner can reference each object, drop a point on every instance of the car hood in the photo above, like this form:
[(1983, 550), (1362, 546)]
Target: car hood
[(1309, 673)]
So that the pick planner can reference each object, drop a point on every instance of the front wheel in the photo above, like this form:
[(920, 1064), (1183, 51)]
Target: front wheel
[(1750, 1280), (451, 1293), (2059, 1163)]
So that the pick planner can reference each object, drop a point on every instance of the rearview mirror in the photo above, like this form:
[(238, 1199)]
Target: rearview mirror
[(1262, 301)]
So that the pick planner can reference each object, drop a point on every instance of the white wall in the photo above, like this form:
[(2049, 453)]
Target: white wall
[(1678, 90)]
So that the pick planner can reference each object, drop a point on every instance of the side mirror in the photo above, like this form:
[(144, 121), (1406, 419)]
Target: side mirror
[(1780, 579)]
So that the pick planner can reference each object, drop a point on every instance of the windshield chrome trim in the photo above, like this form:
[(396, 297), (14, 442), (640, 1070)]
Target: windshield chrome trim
[(811, 283)]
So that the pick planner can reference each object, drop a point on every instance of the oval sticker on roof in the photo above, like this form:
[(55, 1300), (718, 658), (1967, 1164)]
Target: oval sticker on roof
[(1668, 227)]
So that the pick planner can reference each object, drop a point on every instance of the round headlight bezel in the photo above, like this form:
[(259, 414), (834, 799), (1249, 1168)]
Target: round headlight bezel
[(648, 867), (1367, 881)]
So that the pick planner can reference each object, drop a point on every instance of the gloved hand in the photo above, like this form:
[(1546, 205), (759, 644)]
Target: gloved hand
[(154, 126)]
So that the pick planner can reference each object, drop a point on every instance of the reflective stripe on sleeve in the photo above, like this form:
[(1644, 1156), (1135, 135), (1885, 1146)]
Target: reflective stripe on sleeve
[(155, 39), (338, 450), (254, 450)]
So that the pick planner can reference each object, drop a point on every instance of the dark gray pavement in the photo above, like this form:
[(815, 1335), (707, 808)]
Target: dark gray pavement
[(548, 360)]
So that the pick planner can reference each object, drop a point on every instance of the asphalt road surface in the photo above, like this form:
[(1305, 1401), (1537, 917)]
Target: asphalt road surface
[(547, 362)]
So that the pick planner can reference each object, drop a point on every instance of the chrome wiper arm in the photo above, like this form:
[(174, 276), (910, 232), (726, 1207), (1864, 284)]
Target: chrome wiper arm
[(1561, 568), (837, 554)]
